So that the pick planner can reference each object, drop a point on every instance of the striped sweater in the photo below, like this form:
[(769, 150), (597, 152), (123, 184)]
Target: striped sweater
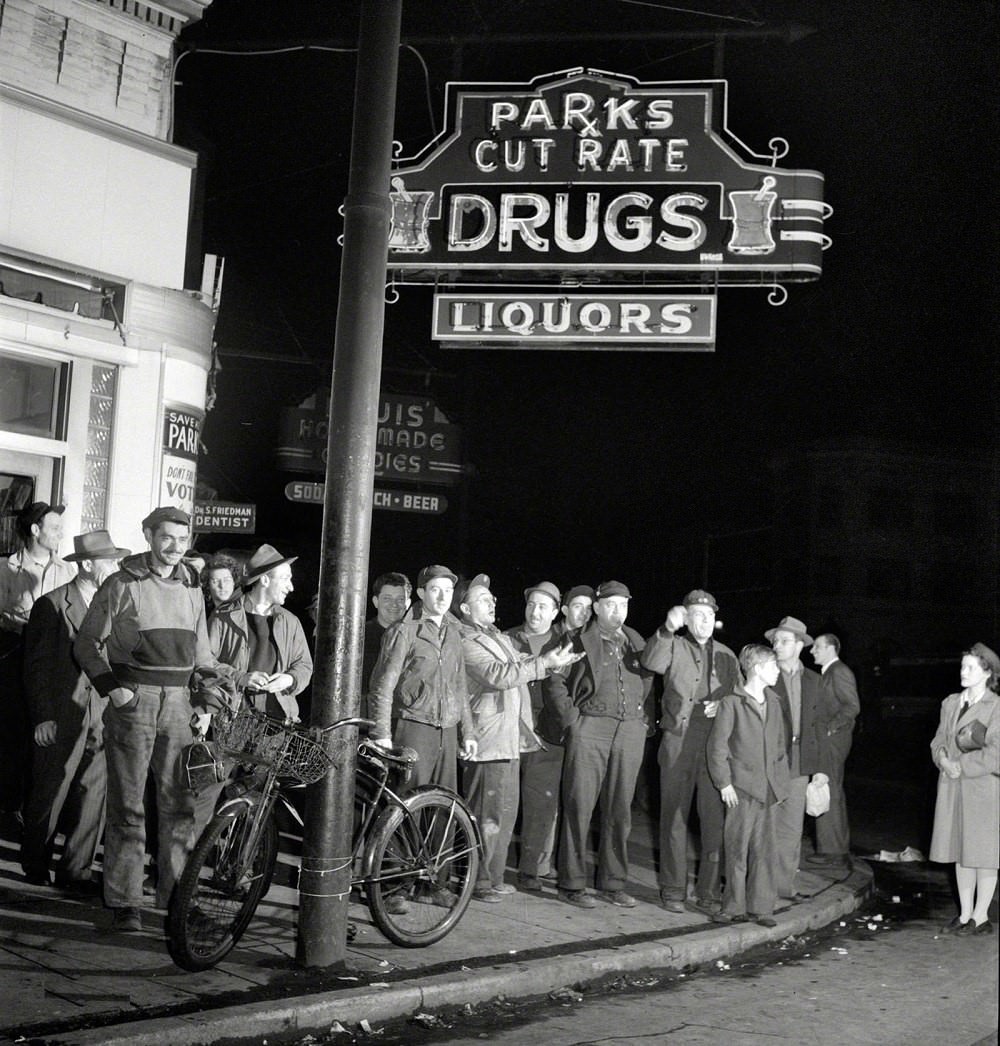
[(143, 628)]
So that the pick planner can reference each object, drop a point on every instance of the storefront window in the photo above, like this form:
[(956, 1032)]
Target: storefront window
[(31, 396)]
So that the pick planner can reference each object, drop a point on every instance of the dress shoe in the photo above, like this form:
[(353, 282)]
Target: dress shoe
[(486, 894), (672, 904), (725, 918), (957, 926), (125, 920), (529, 883), (619, 898), (764, 920), (577, 898), (706, 906), (979, 929)]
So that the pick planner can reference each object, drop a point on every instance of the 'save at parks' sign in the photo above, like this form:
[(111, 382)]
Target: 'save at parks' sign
[(597, 176)]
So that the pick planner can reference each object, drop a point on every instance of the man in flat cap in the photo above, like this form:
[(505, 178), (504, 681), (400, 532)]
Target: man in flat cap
[(418, 693), (501, 710), (698, 671), (541, 770), (24, 577), (799, 690), (577, 609), (142, 638), (601, 703), (69, 776)]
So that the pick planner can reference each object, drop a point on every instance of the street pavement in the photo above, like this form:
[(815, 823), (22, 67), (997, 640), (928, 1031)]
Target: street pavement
[(65, 979)]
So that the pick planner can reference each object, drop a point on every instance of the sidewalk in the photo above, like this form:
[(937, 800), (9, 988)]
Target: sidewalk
[(63, 980)]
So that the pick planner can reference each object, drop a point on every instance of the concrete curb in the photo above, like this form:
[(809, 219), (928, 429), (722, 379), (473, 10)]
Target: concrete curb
[(315, 1013)]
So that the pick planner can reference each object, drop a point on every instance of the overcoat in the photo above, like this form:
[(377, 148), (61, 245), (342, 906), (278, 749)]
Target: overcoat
[(967, 811)]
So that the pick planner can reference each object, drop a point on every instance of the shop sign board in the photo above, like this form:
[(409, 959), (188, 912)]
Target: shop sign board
[(394, 500), (598, 177), (178, 469), (415, 442), (234, 517), (661, 322)]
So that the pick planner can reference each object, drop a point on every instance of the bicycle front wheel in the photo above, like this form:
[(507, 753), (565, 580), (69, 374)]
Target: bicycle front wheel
[(423, 866), (223, 881)]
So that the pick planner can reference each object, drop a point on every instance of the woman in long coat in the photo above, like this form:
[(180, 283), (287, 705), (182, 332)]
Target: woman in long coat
[(967, 813)]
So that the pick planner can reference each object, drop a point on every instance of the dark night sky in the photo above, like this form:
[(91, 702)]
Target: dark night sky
[(591, 465)]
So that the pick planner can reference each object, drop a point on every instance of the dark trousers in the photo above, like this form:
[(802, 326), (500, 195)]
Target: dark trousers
[(683, 777), (16, 740), (789, 816), (437, 749), (833, 832), (69, 783), (492, 789), (749, 835), (603, 757), (541, 785)]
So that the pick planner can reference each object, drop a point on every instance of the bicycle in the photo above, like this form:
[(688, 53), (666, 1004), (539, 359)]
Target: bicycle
[(415, 854)]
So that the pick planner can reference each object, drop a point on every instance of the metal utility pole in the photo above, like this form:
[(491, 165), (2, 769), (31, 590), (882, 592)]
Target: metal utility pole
[(325, 881)]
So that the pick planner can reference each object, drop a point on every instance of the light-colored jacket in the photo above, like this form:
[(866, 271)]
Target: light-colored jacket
[(498, 693), (967, 811), (22, 581)]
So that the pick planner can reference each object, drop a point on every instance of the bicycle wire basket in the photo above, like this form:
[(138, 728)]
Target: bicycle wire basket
[(250, 736)]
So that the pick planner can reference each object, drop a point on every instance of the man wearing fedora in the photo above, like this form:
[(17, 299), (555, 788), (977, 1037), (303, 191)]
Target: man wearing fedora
[(25, 576), (260, 640), (69, 776), (799, 691), (698, 671), (601, 704), (143, 637)]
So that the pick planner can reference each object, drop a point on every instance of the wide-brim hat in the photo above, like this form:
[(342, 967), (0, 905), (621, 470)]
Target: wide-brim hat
[(790, 624), (95, 544), (266, 558)]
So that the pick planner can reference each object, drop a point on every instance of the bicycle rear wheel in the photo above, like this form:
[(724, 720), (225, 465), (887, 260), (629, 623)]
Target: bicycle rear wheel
[(221, 885), (423, 867)]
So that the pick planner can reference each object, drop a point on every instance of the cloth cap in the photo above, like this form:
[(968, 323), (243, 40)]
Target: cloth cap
[(433, 571), (578, 590), (700, 598), (612, 588), (266, 558), (790, 624), (95, 544), (467, 591), (546, 588), (166, 514), (983, 651), (35, 513)]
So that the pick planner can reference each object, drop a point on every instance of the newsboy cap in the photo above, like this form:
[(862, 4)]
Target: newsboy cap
[(435, 570), (612, 588), (790, 624), (547, 588), (700, 598), (467, 591), (578, 590), (166, 514), (35, 513)]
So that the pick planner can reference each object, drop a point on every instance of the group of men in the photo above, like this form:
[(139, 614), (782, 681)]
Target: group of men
[(112, 665), (121, 668), (550, 720)]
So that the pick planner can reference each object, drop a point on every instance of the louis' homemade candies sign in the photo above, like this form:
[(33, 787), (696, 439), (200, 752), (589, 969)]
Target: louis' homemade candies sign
[(601, 178)]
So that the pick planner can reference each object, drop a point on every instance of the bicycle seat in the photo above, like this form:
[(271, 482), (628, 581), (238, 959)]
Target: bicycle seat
[(404, 756)]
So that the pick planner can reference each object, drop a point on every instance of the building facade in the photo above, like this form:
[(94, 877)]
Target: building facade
[(105, 357)]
